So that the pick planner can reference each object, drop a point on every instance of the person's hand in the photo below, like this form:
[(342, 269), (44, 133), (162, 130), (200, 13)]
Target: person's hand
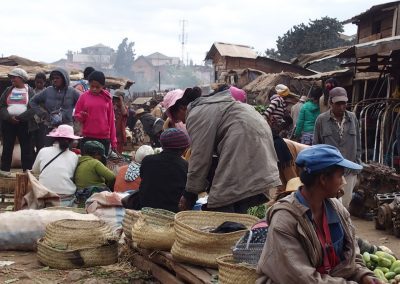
[(13, 120), (370, 280), (183, 204)]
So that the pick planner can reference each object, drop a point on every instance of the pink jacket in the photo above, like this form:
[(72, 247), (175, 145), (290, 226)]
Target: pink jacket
[(96, 113)]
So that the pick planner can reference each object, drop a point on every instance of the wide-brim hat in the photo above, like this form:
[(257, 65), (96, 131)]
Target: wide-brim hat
[(170, 99), (63, 131), (293, 184), (140, 111)]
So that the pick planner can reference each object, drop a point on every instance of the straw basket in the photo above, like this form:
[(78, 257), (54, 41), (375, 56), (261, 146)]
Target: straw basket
[(230, 272), (71, 244), (7, 187), (130, 218), (202, 248), (154, 229)]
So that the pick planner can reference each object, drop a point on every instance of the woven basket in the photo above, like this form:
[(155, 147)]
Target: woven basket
[(7, 185), (247, 252), (74, 234), (230, 272), (79, 258), (154, 229), (202, 248), (130, 218)]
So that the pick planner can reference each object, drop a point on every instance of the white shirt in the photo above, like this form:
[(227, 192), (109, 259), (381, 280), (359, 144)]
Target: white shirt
[(58, 175), (17, 101)]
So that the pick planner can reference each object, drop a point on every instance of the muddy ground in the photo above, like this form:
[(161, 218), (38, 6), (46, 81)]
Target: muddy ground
[(27, 268)]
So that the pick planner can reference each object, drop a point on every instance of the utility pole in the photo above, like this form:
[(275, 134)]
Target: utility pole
[(183, 39)]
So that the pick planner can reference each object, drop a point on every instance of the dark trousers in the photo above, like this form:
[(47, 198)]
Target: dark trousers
[(105, 142), (10, 133), (38, 139), (240, 206)]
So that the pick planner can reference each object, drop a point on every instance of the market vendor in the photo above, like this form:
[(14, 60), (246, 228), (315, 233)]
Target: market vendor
[(310, 237), (247, 171)]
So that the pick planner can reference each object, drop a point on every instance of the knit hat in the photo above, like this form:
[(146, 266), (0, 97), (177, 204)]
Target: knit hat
[(87, 72), (97, 76), (238, 94), (173, 138), (142, 152), (19, 72), (282, 90), (94, 147), (338, 94)]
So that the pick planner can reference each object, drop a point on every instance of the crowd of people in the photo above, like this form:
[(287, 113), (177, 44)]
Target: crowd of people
[(214, 144)]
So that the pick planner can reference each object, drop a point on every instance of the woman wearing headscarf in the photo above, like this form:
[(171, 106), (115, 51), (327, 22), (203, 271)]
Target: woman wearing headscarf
[(56, 164), (310, 237), (16, 118), (246, 171)]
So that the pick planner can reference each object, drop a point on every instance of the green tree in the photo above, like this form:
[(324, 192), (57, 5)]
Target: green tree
[(319, 34), (125, 58)]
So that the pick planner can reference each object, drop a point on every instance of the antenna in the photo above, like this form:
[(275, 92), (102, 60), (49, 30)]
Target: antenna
[(183, 39)]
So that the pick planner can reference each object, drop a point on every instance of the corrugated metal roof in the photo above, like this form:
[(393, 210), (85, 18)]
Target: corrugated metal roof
[(305, 60), (371, 10), (383, 45), (231, 50), (328, 74)]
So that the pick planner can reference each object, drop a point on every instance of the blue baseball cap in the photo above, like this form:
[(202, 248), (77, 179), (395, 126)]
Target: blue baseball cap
[(319, 157)]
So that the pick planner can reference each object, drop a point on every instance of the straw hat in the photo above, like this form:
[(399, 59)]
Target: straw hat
[(63, 131), (140, 111), (293, 184)]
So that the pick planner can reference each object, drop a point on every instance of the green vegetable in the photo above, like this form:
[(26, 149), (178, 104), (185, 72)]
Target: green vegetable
[(374, 257), (384, 269), (379, 274), (386, 255), (395, 265), (397, 270), (258, 211), (384, 262), (390, 275), (366, 257)]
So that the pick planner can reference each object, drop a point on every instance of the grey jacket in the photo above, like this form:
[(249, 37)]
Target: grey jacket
[(327, 132), (292, 250), (241, 138), (51, 100)]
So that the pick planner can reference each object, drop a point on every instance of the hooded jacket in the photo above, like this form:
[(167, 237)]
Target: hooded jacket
[(91, 172), (100, 119), (242, 140), (293, 251), (307, 117), (52, 99)]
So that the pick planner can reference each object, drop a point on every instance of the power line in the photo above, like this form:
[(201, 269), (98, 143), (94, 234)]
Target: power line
[(183, 39)]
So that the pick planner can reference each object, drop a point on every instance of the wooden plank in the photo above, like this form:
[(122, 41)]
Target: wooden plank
[(158, 272), (202, 275), (21, 189)]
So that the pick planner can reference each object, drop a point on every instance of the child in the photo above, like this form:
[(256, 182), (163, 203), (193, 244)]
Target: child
[(95, 111)]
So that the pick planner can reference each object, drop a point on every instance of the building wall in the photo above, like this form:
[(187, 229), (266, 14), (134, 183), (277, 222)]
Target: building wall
[(377, 26), (143, 71)]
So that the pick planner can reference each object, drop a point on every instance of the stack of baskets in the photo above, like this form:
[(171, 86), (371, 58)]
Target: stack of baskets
[(130, 218), (154, 229), (196, 246), (70, 244)]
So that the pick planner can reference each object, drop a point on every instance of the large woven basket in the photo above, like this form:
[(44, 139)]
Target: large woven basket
[(154, 229), (193, 245), (230, 272), (71, 244), (130, 218)]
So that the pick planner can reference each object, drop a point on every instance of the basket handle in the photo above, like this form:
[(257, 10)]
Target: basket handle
[(249, 239)]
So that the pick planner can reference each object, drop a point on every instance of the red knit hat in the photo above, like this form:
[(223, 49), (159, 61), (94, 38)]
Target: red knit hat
[(173, 138)]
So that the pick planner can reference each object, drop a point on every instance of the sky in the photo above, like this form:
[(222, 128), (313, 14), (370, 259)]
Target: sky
[(45, 30)]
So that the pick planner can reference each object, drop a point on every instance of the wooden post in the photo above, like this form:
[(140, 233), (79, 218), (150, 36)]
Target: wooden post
[(21, 189)]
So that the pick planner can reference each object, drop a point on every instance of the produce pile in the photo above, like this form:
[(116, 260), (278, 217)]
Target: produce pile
[(384, 265)]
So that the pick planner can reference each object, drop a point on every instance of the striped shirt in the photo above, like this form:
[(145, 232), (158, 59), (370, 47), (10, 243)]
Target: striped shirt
[(276, 108)]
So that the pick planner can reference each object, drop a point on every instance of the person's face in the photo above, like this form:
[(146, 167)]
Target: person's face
[(39, 84), (180, 114), (338, 108), (57, 81), (328, 86), (17, 82), (331, 184), (95, 87)]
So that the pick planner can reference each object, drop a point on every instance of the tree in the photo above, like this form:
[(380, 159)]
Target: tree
[(125, 58), (319, 34)]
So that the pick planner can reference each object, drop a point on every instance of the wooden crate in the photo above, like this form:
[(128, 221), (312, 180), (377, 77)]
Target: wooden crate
[(7, 188)]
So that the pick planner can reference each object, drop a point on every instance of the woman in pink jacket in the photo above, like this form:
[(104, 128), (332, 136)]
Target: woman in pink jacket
[(95, 111)]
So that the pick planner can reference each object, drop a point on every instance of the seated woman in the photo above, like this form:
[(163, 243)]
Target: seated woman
[(128, 177), (92, 175), (164, 175), (56, 164), (310, 237)]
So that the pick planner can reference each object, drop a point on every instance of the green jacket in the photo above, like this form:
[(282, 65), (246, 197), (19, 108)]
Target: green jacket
[(91, 172), (307, 117)]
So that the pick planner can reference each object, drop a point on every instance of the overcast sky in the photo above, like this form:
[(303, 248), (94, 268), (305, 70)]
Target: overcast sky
[(44, 30)]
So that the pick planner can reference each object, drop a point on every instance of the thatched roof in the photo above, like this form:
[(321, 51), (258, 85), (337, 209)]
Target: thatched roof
[(259, 90), (34, 67)]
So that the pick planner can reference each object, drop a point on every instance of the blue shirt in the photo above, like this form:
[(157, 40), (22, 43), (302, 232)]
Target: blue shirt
[(335, 226)]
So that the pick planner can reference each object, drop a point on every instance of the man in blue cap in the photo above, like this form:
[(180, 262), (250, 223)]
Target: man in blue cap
[(310, 235), (340, 128)]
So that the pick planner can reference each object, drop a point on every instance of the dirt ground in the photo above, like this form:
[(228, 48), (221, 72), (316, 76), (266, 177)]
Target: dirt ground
[(28, 270)]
